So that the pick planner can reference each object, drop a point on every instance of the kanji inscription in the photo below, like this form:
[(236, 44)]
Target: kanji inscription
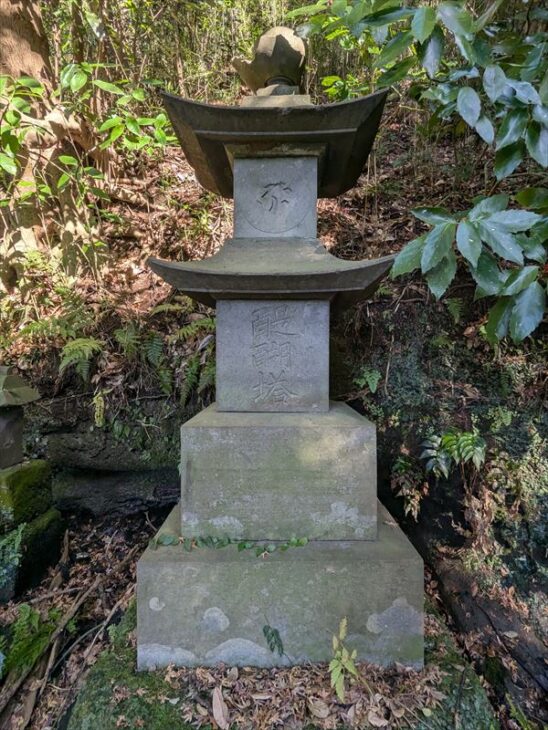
[(272, 346)]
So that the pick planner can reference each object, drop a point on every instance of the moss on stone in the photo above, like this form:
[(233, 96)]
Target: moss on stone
[(40, 545), (145, 696), (25, 493)]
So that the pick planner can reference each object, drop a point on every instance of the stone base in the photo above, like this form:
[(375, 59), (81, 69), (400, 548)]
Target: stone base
[(270, 476), (212, 605), (25, 493)]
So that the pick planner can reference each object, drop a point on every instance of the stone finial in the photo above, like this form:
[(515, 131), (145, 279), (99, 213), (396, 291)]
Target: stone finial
[(278, 60), (13, 389)]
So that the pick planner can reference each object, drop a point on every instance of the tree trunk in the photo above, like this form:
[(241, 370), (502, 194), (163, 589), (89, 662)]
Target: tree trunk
[(23, 45)]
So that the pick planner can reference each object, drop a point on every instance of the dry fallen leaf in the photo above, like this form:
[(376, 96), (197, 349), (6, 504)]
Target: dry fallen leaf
[(220, 710), (376, 720), (318, 708)]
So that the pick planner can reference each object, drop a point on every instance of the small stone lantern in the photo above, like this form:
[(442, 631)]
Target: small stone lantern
[(14, 394)]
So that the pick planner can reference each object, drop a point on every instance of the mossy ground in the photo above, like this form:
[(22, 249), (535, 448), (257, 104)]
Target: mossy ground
[(114, 695)]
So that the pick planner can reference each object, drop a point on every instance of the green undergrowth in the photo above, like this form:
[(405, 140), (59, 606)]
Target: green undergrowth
[(115, 695)]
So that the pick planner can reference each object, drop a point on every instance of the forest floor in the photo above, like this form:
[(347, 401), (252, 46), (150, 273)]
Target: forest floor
[(165, 213)]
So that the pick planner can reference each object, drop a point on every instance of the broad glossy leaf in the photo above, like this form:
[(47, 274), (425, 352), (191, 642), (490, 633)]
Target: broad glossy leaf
[(77, 80), (469, 242), (437, 245), (469, 105), (535, 198), (540, 114), (423, 23), (488, 275), (512, 128), (485, 129), (500, 241), (499, 320), (514, 220), (536, 140), (409, 258), (488, 15), (528, 311), (442, 275), (489, 205), (398, 72), (507, 159), (430, 53), (433, 216), (456, 19), (68, 160), (112, 122), (533, 247), (8, 164), (107, 86), (389, 15), (520, 280), (543, 89), (394, 48), (525, 92), (494, 81)]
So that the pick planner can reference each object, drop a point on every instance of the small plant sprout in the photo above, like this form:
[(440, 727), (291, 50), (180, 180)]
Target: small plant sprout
[(342, 666)]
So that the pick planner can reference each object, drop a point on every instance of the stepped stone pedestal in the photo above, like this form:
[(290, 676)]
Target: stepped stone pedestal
[(273, 461)]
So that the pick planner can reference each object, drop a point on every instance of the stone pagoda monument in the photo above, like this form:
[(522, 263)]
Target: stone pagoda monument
[(273, 462)]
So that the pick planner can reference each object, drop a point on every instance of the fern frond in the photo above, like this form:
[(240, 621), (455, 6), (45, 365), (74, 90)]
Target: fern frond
[(154, 348), (456, 308), (193, 329), (78, 353), (191, 377)]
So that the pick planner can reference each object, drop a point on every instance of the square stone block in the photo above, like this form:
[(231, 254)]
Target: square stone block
[(275, 197), (272, 356), (271, 476), (212, 605), (11, 436)]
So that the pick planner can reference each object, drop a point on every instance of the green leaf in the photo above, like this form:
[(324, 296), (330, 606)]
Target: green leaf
[(68, 160), (456, 19), (107, 86), (515, 220), (499, 319), (442, 275), (433, 216), (78, 79), (485, 129), (394, 48), (437, 245), (138, 94), (528, 311), (133, 126), (389, 15), (488, 205), (533, 247), (423, 23), (430, 53), (8, 164), (109, 123), (487, 274), (507, 159), (500, 241), (494, 82), (64, 179), (525, 92), (540, 114), (535, 198), (520, 280), (536, 140), (512, 128), (469, 105), (396, 73), (469, 242)]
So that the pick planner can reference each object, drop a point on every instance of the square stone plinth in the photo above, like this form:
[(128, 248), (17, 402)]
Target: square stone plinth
[(272, 356), (275, 197), (271, 476), (212, 605)]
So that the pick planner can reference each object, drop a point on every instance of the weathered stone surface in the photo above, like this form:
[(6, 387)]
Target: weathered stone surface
[(144, 703), (272, 356), (273, 476), (275, 197), (25, 492), (11, 436), (279, 54), (210, 605), (115, 492), (27, 551)]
